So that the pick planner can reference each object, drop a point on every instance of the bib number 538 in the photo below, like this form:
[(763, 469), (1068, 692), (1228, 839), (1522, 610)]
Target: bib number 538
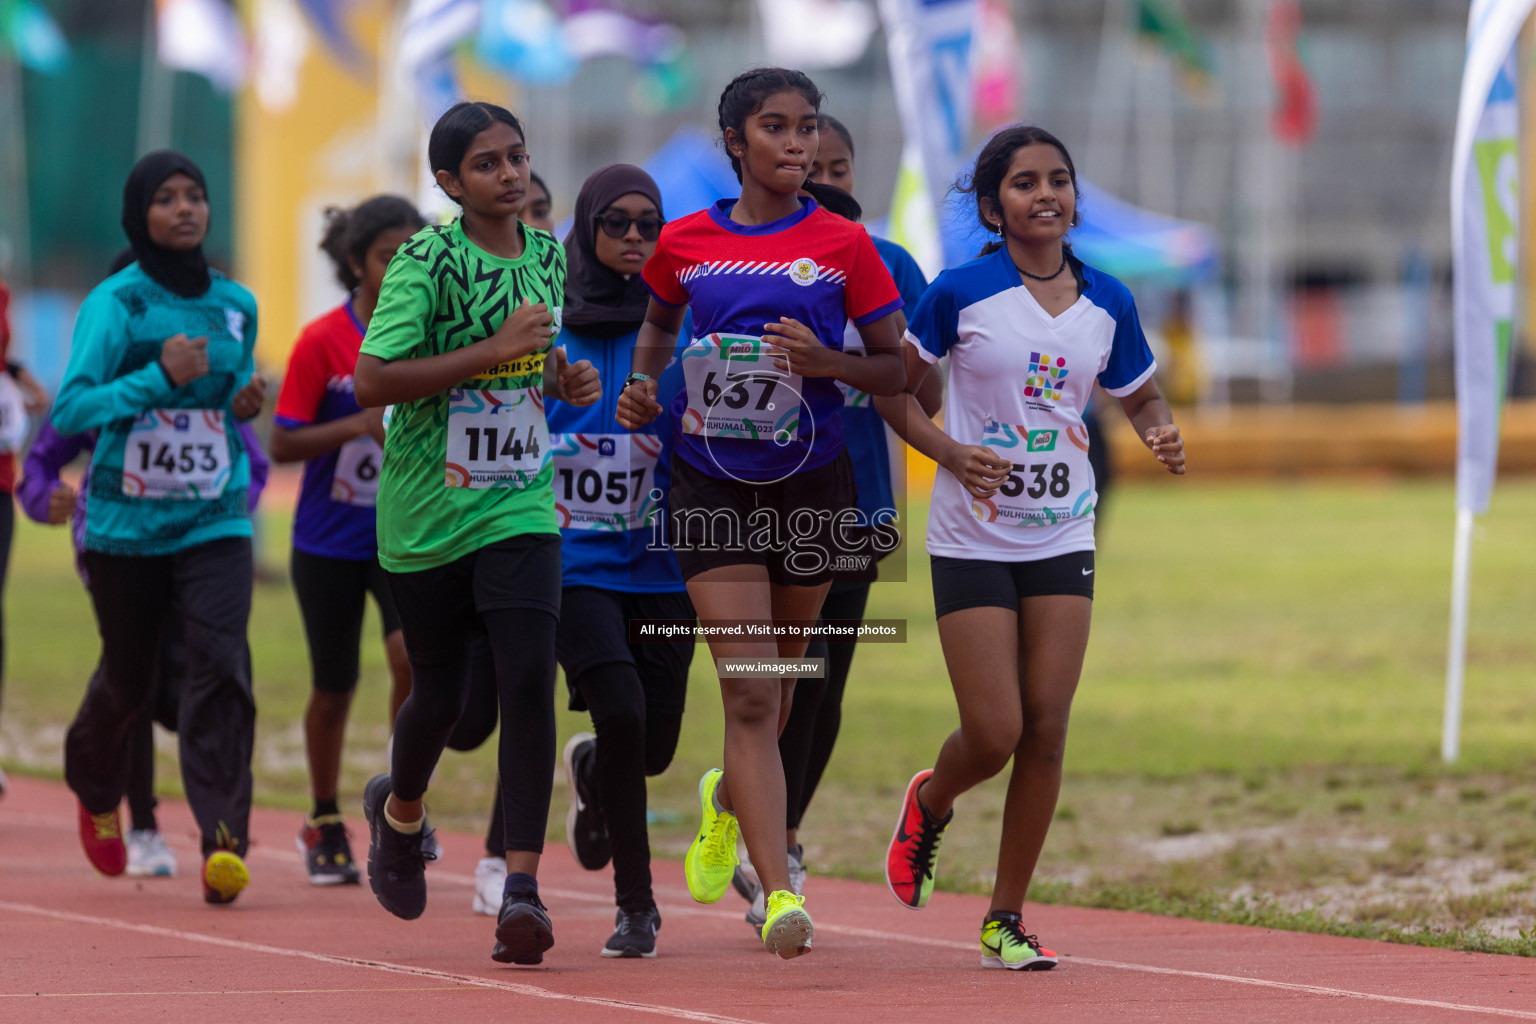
[(1044, 478)]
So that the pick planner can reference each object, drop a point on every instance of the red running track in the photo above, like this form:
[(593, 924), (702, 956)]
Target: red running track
[(75, 946)]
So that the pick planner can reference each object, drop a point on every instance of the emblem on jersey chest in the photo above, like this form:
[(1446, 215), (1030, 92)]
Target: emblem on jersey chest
[(1042, 388), (804, 271)]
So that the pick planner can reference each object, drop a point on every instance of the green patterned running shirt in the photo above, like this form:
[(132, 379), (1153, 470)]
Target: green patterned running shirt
[(469, 466)]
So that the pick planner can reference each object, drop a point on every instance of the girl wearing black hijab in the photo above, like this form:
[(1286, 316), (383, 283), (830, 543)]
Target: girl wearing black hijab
[(610, 484), (162, 365)]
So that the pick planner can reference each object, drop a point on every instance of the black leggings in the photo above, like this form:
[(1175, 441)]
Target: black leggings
[(632, 726), (170, 668), (475, 726), (817, 711), (209, 586), (509, 592)]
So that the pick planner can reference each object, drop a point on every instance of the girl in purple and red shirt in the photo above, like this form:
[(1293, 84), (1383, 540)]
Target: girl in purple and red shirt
[(335, 564)]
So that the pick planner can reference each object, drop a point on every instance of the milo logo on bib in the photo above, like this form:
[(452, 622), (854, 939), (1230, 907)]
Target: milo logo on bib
[(735, 389), (1049, 487)]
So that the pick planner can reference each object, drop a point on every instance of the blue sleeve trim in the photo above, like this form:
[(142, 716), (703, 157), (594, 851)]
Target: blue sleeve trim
[(289, 423), (658, 298), (876, 314)]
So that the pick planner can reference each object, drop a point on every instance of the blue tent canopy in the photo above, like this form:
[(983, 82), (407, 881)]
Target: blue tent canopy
[(1121, 239)]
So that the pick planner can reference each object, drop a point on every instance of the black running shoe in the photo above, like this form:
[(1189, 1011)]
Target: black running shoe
[(397, 864), (634, 935), (523, 931), (324, 844), (585, 832)]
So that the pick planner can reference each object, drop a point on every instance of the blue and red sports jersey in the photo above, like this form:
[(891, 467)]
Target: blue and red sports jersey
[(318, 389), (813, 266)]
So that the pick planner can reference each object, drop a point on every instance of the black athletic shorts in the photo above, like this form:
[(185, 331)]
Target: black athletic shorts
[(790, 526), (519, 572), (960, 583), (594, 631), (332, 593)]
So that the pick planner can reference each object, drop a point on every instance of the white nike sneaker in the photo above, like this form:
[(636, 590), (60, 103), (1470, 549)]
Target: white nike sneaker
[(148, 856), (490, 880)]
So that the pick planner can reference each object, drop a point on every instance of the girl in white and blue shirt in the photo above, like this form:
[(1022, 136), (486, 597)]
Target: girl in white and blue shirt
[(1028, 329)]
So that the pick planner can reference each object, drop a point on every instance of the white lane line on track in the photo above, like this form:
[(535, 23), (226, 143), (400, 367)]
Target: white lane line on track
[(1237, 979), (869, 933), (267, 853), (278, 856), (532, 991)]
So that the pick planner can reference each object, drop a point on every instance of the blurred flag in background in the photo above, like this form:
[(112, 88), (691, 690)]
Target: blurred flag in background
[(816, 33), (999, 69), (204, 37), (1161, 23), (329, 18), (1295, 115), (29, 33), (281, 44)]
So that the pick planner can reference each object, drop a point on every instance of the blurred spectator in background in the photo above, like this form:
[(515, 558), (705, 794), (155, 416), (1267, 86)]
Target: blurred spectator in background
[(538, 208), (21, 397), (1179, 369)]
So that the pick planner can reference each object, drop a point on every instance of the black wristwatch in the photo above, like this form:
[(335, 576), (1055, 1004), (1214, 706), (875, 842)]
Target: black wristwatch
[(636, 378)]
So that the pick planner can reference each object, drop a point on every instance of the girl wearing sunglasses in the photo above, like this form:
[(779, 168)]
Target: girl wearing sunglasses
[(609, 485)]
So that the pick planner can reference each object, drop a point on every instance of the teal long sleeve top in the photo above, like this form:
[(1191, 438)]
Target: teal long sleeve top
[(170, 471)]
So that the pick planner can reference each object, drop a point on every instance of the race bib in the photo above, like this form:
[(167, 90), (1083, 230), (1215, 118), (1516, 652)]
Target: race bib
[(496, 438), (356, 480), (735, 390), (13, 414), (853, 398), (1050, 482), (177, 454), (604, 481)]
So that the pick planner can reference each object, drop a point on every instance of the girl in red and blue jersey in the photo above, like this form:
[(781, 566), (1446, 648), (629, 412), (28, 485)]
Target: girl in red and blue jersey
[(809, 735), (335, 562), (1028, 329), (762, 500)]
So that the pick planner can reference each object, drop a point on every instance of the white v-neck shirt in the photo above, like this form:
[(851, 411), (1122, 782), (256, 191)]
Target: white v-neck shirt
[(1019, 380)]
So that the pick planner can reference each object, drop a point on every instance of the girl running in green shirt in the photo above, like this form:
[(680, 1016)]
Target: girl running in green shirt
[(466, 520)]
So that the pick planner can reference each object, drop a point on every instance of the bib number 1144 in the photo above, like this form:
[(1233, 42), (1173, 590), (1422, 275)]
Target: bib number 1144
[(496, 438)]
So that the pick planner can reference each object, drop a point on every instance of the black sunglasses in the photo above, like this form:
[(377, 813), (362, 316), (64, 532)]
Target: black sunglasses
[(616, 225)]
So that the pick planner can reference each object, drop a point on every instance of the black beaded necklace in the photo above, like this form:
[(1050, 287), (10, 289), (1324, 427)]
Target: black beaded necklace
[(1047, 277)]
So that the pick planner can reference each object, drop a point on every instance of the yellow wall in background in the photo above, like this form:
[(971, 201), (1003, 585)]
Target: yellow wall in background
[(1526, 83), (323, 151)]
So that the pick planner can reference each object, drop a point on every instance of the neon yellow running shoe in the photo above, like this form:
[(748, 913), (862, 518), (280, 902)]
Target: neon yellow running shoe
[(711, 858), (1004, 944), (788, 931), (224, 876)]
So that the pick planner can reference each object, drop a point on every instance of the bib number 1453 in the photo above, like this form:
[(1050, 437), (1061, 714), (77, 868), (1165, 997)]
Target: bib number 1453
[(496, 438), (177, 454)]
